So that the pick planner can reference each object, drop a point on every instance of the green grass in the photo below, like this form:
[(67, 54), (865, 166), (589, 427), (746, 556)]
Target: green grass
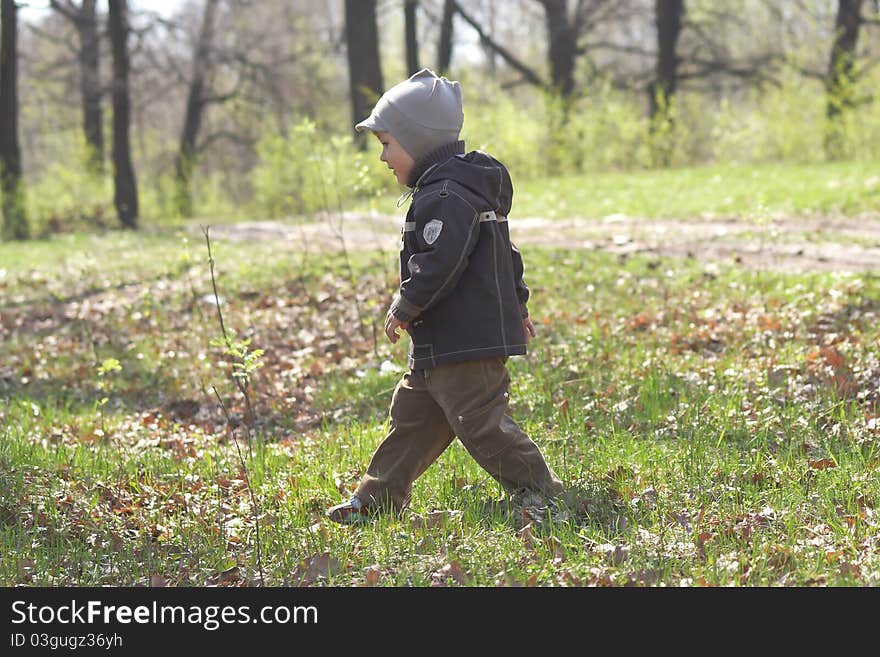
[(713, 426), (753, 191)]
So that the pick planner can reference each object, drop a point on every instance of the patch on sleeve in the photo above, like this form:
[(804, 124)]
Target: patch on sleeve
[(432, 230)]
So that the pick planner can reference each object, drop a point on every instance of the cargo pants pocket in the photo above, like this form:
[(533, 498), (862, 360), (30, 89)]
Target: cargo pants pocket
[(482, 431)]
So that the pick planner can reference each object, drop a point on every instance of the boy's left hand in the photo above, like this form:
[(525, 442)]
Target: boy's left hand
[(529, 329), (391, 326)]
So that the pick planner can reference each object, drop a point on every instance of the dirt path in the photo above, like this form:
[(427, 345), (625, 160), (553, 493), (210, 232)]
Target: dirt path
[(794, 244)]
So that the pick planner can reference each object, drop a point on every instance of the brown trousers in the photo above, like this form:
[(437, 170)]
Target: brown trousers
[(430, 408)]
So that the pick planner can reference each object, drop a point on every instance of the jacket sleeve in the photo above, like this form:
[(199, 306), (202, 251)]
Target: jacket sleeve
[(446, 229), (522, 290)]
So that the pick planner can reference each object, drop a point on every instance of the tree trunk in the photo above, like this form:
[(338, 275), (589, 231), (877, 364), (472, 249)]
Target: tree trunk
[(125, 195), (562, 41), (364, 67), (15, 223), (90, 84), (412, 39), (840, 79), (668, 15), (84, 20), (841, 75), (195, 104), (444, 45), (843, 53)]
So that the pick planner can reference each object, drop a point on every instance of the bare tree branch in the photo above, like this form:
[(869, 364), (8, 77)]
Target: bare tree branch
[(592, 46), (170, 64), (747, 69), (527, 72), (68, 10), (68, 42), (222, 98), (233, 137), (810, 73)]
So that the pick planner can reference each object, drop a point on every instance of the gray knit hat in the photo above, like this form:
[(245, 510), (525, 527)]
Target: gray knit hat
[(422, 113)]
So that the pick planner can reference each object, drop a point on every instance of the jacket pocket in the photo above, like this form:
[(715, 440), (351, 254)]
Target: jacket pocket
[(481, 429)]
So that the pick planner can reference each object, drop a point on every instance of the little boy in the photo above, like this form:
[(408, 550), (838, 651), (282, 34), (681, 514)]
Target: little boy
[(462, 299)]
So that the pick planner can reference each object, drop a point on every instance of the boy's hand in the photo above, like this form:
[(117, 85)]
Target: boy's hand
[(529, 329), (391, 326)]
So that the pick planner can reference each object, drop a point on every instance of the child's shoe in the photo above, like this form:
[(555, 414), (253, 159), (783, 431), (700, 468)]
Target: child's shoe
[(352, 512)]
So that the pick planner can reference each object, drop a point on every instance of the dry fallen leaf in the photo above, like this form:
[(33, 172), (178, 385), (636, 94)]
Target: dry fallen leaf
[(780, 557), (372, 575), (850, 569), (554, 545), (157, 581), (453, 571), (640, 322), (527, 536), (845, 384), (230, 576), (822, 464), (566, 578), (833, 357), (769, 323), (563, 408), (614, 554), (683, 519), (702, 539), (316, 566), (833, 555)]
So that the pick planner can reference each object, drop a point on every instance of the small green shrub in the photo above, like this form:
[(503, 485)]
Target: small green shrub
[(307, 171)]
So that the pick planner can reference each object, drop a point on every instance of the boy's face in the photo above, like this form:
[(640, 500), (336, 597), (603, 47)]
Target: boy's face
[(395, 156)]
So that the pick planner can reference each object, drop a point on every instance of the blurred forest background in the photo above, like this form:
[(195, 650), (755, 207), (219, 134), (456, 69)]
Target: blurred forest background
[(145, 113)]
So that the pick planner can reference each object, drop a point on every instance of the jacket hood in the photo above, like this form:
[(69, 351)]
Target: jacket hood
[(479, 172)]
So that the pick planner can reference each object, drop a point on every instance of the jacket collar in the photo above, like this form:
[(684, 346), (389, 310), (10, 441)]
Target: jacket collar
[(432, 159)]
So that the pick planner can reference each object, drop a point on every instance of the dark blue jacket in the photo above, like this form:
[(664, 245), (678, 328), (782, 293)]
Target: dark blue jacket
[(462, 291)]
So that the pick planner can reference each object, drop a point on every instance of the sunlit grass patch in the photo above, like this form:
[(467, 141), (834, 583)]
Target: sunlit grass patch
[(714, 426), (757, 191)]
